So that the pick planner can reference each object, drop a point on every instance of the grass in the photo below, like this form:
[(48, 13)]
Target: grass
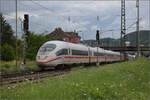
[(121, 81), (9, 67)]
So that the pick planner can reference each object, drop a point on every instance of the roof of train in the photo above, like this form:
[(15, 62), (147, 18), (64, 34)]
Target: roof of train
[(80, 46)]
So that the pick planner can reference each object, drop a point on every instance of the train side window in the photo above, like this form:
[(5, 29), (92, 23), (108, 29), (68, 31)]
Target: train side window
[(103, 54), (98, 54), (79, 52), (95, 54), (115, 55), (109, 55), (62, 52)]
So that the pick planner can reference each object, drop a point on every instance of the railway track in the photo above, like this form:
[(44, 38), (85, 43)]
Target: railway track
[(22, 77), (30, 76)]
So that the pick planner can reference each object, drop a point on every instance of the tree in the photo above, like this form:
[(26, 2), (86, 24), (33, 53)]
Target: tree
[(7, 40), (20, 49), (35, 42), (7, 52), (6, 33)]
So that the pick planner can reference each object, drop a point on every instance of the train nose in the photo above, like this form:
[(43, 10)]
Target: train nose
[(40, 60), (45, 60), (42, 57)]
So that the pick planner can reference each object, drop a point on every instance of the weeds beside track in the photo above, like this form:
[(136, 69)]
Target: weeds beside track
[(35, 75), (21, 77)]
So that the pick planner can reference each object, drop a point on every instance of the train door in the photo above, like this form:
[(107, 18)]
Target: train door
[(105, 56), (69, 51), (90, 54), (69, 54)]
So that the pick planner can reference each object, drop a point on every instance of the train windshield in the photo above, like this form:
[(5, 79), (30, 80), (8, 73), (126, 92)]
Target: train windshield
[(47, 48)]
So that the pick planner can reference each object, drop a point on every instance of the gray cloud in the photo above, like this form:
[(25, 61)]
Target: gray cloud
[(47, 15)]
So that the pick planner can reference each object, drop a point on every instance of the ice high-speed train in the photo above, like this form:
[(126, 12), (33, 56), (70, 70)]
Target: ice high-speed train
[(54, 53)]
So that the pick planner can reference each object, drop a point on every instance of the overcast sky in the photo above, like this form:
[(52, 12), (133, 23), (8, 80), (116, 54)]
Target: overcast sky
[(45, 16)]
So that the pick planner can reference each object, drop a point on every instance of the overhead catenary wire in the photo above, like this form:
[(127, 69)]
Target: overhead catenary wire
[(42, 26), (36, 3), (43, 7)]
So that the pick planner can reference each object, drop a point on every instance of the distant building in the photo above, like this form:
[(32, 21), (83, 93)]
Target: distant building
[(59, 34), (127, 43)]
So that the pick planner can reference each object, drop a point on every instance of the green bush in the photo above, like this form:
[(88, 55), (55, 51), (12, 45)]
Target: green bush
[(5, 65), (36, 41), (7, 53)]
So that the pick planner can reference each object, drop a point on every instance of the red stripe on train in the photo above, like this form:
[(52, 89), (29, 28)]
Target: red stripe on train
[(84, 57), (51, 60), (58, 58), (75, 57)]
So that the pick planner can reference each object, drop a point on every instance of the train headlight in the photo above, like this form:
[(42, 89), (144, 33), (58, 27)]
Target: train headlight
[(38, 57)]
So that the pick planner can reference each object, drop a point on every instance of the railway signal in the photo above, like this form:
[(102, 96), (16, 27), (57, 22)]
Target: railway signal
[(26, 26), (26, 22), (26, 35), (97, 36), (97, 39)]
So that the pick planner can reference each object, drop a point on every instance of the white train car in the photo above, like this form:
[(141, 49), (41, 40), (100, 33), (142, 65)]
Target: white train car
[(55, 53)]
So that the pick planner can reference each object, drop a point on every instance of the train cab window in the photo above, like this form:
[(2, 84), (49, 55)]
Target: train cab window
[(62, 52), (47, 47)]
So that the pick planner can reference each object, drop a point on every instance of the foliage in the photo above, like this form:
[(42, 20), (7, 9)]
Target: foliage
[(7, 37), (7, 40), (5, 66), (144, 37), (7, 53), (122, 81), (35, 42), (20, 49), (6, 33), (130, 37), (9, 67)]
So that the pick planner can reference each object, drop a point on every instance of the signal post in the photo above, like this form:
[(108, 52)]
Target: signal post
[(98, 43), (26, 36)]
